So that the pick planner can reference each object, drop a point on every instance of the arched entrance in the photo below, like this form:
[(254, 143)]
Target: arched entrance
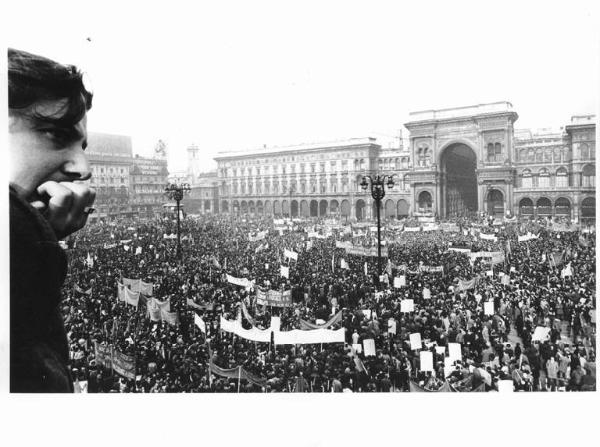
[(304, 209), (345, 208), (285, 208), (236, 207), (207, 206), (390, 209), (402, 208), (259, 207), (360, 209), (588, 210), (526, 207), (268, 207), (562, 207), (495, 203), (544, 207), (459, 185), (425, 202), (294, 208), (224, 206), (323, 208), (334, 207), (314, 208), (251, 207), (244, 207), (276, 208)]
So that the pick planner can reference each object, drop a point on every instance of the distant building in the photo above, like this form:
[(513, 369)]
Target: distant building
[(458, 161), (125, 185), (110, 161), (149, 178), (203, 198)]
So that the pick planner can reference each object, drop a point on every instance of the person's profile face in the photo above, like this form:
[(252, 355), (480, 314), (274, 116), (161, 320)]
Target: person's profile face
[(40, 151)]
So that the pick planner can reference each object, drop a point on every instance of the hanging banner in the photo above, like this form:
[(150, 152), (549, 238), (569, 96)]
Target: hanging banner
[(369, 347), (431, 269), (147, 288), (411, 229), (121, 291), (193, 304), (316, 336), (170, 317), (259, 236), (133, 284), (124, 364), (362, 251)]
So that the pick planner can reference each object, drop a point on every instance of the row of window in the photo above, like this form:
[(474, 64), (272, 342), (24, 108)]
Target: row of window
[(303, 188)]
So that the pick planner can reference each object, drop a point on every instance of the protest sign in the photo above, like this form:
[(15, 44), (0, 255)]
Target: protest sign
[(426, 358), (541, 334), (440, 350), (124, 364), (415, 341), (369, 347), (454, 351), (407, 305), (426, 293), (285, 272), (400, 281), (505, 386), (488, 307), (357, 347)]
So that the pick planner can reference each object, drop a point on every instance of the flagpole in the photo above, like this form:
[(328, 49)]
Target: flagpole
[(239, 378)]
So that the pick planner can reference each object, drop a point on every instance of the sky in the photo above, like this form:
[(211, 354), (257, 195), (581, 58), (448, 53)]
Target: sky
[(235, 75)]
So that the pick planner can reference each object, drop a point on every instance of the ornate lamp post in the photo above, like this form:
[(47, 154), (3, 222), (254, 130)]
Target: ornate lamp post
[(175, 192), (378, 193)]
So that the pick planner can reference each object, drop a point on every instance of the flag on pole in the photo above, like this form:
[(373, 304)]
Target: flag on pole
[(333, 263), (366, 271)]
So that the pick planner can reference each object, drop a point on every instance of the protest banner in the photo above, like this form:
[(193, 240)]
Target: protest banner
[(193, 304), (305, 325), (170, 317), (369, 347), (242, 282), (488, 308), (131, 298), (274, 298), (103, 354), (426, 358), (488, 237), (316, 336), (466, 285), (124, 364), (407, 305), (415, 341)]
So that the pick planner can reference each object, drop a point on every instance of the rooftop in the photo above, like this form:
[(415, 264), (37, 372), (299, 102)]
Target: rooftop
[(299, 147), (457, 112)]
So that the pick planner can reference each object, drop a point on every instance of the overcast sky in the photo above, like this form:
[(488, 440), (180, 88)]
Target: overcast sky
[(237, 75)]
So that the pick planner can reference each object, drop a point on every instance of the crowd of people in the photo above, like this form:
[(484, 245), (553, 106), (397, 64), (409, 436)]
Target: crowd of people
[(546, 282)]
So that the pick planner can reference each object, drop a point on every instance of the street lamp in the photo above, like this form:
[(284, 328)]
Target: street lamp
[(378, 193), (176, 192)]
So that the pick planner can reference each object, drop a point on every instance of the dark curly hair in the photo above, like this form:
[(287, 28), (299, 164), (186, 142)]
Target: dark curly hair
[(33, 78)]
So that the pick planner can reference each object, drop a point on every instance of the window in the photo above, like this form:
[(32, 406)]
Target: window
[(344, 165), (321, 167), (404, 163), (588, 176), (584, 150), (544, 179), (562, 179), (526, 179), (548, 156), (539, 156)]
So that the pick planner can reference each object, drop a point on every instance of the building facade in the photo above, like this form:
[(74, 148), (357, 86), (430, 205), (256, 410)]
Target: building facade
[(458, 161), (125, 185), (314, 180), (110, 162), (470, 159), (204, 196), (149, 178)]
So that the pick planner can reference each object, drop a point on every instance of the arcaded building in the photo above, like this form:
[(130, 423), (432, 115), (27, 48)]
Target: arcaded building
[(458, 161)]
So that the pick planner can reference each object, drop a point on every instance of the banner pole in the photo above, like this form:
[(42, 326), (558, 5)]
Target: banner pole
[(239, 378)]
